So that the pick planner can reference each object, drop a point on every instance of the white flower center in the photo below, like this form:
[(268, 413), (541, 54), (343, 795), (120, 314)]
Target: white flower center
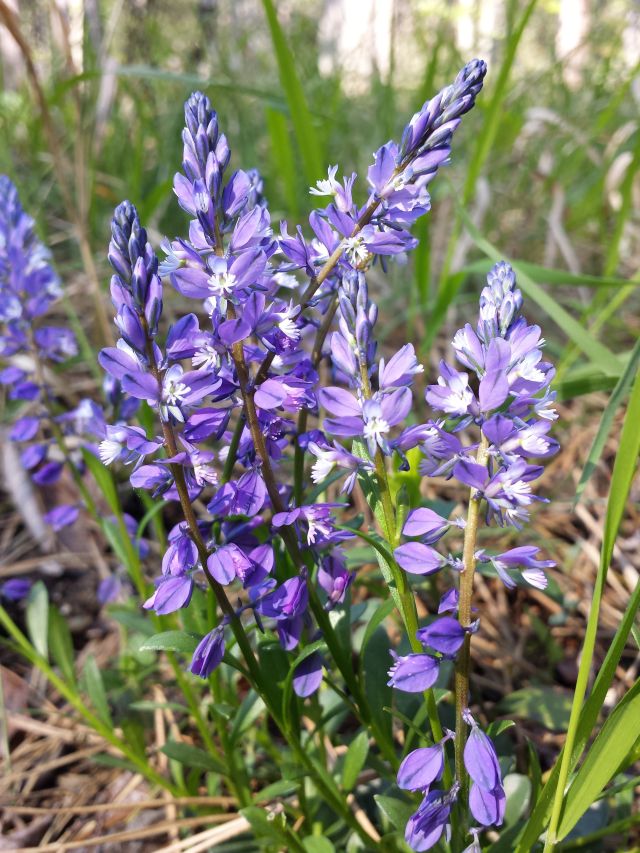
[(376, 428), (520, 491), (222, 283), (206, 356), (109, 450), (175, 392), (355, 250)]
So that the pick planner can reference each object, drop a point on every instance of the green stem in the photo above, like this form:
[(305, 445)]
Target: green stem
[(405, 601), (464, 616)]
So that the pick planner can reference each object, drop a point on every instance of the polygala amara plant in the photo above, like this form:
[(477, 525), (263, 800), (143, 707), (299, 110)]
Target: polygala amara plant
[(223, 414)]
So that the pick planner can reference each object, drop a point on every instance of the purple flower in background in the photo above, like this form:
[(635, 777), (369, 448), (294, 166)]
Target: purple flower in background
[(15, 589), (62, 516)]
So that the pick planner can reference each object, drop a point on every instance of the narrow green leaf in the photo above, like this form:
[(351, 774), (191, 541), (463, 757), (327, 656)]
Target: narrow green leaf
[(354, 761), (267, 825), (61, 644), (518, 790), (548, 275), (283, 159), (192, 756), (396, 811), (306, 135), (250, 709), (317, 844), (606, 422), (617, 737), (171, 641), (95, 688), (585, 714), (37, 617), (545, 705), (104, 480), (377, 660), (385, 608)]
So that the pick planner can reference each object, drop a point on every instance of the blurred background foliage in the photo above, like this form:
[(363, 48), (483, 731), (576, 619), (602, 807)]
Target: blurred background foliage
[(546, 167), (545, 173)]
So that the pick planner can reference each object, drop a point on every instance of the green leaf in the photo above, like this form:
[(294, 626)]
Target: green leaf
[(354, 761), (265, 824), (104, 480), (281, 788), (545, 705), (303, 125), (95, 688), (396, 811), (61, 644), (518, 790), (375, 665), (171, 641), (498, 726), (585, 713), (130, 619), (284, 159), (317, 844), (37, 618), (384, 609), (192, 756), (606, 422), (547, 275), (250, 709), (618, 736)]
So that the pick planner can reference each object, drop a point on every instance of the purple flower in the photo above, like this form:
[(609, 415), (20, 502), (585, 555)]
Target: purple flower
[(317, 517), (171, 594), (24, 429), (413, 673), (445, 635), (308, 676), (208, 654), (427, 524), (487, 807), (334, 578), (228, 563), (289, 600), (480, 759), (108, 590), (422, 767), (449, 601), (426, 827), (418, 559), (62, 516), (15, 589)]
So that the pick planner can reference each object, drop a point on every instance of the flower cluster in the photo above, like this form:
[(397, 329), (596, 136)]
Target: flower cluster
[(505, 396), (238, 380), (30, 348)]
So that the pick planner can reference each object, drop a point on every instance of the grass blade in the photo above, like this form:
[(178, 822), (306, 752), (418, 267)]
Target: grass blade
[(604, 759), (310, 150), (615, 400), (621, 479)]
